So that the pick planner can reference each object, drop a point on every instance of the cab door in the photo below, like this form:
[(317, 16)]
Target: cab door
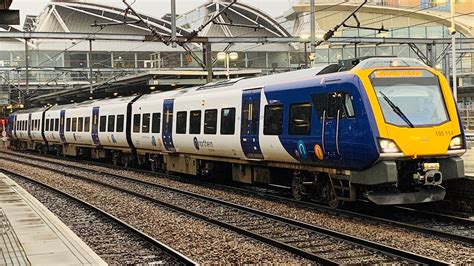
[(250, 124), (330, 109)]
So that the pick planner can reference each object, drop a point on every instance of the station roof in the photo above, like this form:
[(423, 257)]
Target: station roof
[(77, 16)]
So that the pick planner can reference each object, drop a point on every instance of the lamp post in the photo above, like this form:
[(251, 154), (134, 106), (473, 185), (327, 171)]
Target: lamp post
[(318, 35), (227, 57), (452, 30)]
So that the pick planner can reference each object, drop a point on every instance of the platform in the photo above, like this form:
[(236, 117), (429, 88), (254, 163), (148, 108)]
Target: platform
[(468, 158), (30, 234)]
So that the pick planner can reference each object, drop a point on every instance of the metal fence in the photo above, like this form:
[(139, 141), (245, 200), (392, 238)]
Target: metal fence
[(467, 118)]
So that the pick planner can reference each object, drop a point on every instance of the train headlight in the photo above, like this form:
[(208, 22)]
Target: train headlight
[(388, 146), (456, 143)]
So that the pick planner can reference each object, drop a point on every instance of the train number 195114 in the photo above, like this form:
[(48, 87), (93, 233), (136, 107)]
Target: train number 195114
[(442, 133)]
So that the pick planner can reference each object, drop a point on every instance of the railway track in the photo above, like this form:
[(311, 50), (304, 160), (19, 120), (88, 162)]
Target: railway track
[(308, 241), (98, 228), (433, 224)]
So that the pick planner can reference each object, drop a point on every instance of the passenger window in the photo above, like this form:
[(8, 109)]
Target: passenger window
[(80, 124), (120, 123), (74, 124), (102, 123), (300, 119), (273, 120), (68, 124), (195, 122), (111, 123), (181, 122), (87, 124), (210, 121), (228, 121), (156, 123), (136, 123), (56, 124), (47, 125), (146, 123)]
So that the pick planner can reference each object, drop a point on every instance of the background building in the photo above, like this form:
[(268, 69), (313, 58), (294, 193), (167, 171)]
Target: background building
[(57, 66)]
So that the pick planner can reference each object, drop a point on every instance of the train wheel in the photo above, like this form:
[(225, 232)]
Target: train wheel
[(58, 152), (329, 195), (115, 158), (297, 187)]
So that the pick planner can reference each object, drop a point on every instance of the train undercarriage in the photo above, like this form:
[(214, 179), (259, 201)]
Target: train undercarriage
[(386, 183)]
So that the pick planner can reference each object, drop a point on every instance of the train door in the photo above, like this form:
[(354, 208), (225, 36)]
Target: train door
[(62, 123), (30, 126), (332, 112), (95, 125), (167, 134), (11, 126), (250, 123)]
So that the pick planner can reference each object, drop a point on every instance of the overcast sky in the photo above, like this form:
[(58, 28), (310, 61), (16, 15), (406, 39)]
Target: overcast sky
[(154, 7)]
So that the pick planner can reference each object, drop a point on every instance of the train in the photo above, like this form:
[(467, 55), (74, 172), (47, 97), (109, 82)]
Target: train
[(385, 130)]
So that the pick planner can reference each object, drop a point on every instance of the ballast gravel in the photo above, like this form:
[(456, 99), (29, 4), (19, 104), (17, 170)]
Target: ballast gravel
[(203, 242)]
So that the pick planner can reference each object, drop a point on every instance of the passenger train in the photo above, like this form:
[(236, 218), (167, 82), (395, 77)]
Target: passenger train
[(385, 129)]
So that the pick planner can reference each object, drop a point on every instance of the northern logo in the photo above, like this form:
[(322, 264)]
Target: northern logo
[(196, 143)]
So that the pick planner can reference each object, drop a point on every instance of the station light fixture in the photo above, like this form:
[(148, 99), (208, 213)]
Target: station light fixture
[(305, 36), (233, 56), (227, 57), (319, 34)]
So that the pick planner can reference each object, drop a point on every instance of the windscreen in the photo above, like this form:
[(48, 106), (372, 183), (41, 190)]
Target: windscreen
[(409, 98)]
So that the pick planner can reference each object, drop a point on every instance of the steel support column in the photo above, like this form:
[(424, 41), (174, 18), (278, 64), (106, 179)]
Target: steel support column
[(207, 56), (27, 64), (90, 67)]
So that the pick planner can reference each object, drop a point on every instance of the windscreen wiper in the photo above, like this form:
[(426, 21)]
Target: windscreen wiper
[(397, 110)]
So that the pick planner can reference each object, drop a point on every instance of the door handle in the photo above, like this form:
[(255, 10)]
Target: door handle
[(322, 132), (337, 131)]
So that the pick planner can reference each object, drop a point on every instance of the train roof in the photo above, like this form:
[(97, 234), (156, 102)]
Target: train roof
[(242, 83)]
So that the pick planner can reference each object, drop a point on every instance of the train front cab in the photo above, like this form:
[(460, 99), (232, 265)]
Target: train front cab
[(419, 134)]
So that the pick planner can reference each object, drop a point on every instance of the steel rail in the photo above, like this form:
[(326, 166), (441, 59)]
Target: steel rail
[(377, 218), (182, 259), (387, 250)]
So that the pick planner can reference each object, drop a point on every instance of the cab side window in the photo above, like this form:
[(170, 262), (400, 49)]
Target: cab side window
[(328, 105)]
